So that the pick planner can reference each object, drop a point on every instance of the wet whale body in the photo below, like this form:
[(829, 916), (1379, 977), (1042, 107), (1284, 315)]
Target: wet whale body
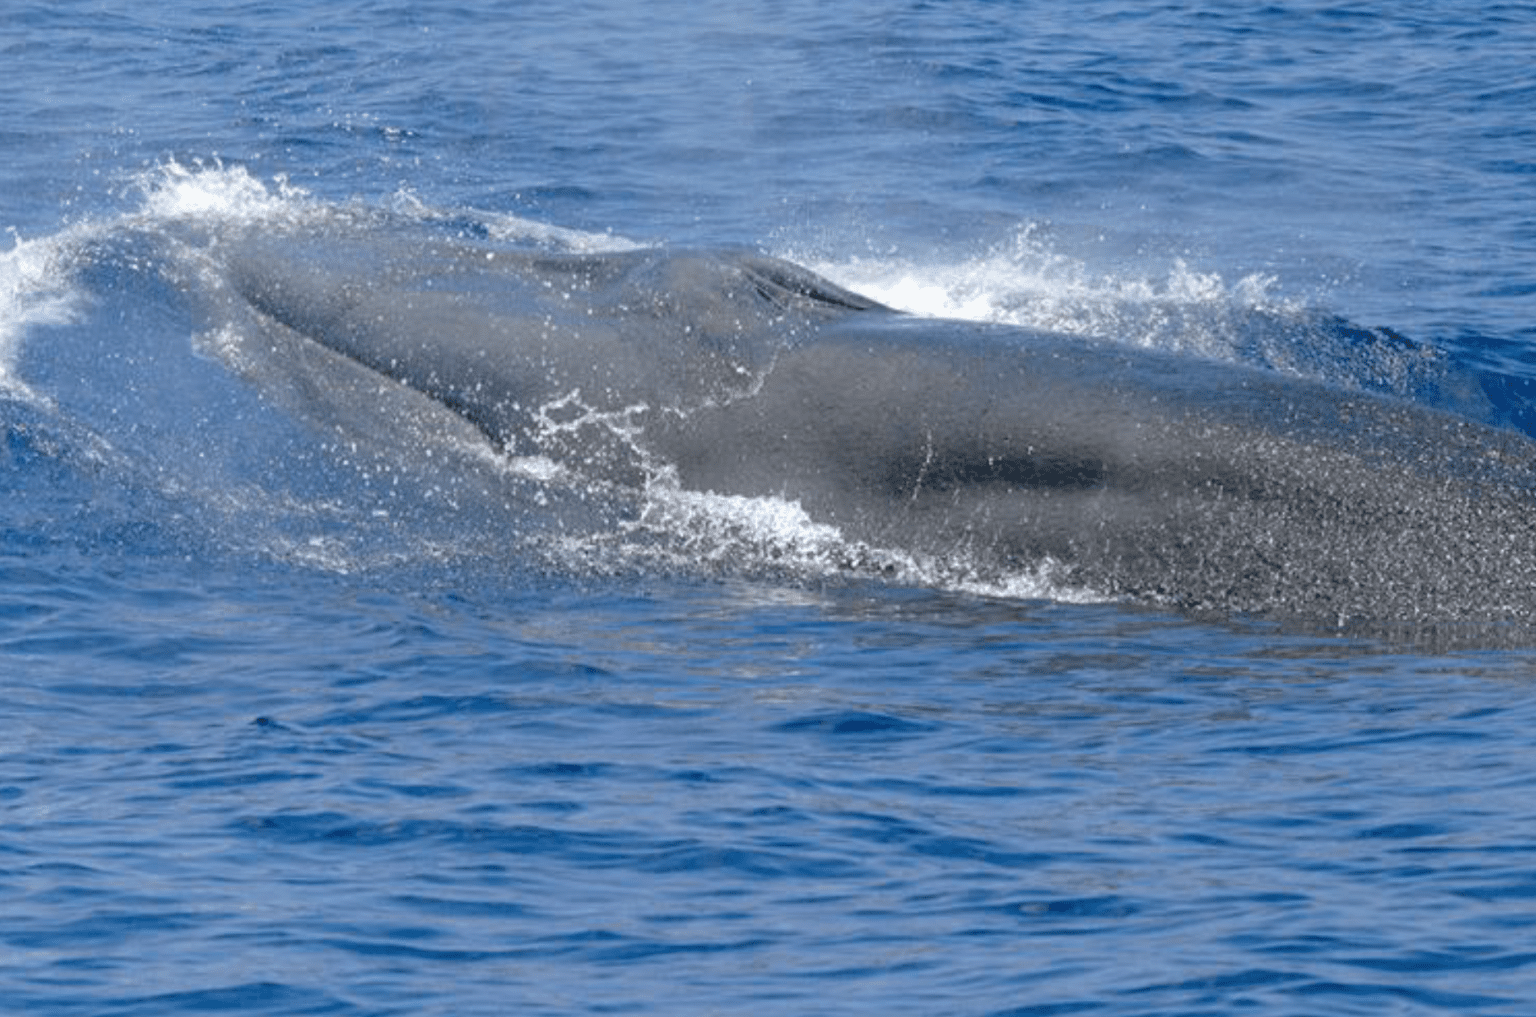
[(1201, 485)]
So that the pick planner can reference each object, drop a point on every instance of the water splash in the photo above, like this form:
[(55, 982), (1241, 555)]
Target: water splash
[(508, 228), (35, 292), (215, 194), (1025, 281)]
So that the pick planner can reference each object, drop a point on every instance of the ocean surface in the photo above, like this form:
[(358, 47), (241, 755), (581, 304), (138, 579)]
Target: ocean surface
[(358, 716)]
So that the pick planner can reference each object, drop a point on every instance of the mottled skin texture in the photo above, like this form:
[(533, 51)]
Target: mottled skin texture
[(1205, 486)]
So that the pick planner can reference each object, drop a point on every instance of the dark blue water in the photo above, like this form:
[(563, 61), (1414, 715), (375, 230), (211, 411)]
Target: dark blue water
[(356, 716)]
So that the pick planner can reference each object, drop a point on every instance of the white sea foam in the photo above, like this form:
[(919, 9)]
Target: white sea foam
[(215, 193), (1025, 281), (508, 227), (1041, 582), (35, 291), (37, 287), (721, 526), (736, 532)]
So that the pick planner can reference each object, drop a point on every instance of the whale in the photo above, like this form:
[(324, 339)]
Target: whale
[(1197, 484)]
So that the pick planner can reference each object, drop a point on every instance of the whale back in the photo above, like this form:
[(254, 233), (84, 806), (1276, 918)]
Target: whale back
[(1207, 486)]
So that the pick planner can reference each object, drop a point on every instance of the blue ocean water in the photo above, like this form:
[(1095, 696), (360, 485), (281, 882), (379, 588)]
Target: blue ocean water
[(354, 716)]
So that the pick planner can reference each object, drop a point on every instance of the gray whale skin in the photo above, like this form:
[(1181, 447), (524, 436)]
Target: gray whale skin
[(1167, 479)]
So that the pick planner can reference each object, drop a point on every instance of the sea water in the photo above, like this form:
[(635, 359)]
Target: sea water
[(294, 725)]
